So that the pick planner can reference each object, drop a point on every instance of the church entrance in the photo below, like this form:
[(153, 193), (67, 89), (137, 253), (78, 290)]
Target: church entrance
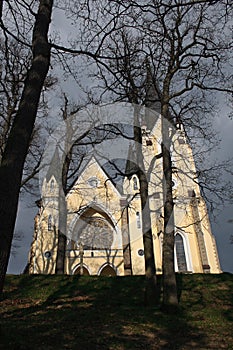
[(108, 271), (85, 271)]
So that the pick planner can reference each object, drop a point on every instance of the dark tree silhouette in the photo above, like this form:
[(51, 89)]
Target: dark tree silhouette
[(18, 141)]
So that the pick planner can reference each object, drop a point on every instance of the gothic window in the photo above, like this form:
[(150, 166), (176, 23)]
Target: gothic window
[(138, 219), (180, 253), (174, 184), (52, 183), (135, 183), (50, 227)]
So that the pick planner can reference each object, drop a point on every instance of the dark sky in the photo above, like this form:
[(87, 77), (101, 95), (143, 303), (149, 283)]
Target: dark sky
[(222, 228)]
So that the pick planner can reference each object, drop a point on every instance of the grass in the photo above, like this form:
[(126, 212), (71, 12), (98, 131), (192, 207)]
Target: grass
[(72, 312)]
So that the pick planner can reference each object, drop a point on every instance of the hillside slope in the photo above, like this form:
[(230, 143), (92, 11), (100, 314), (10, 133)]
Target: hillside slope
[(72, 312)]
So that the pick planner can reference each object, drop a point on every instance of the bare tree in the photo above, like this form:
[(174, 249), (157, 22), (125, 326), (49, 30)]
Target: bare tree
[(188, 45), (21, 20), (188, 64), (15, 61), (18, 141)]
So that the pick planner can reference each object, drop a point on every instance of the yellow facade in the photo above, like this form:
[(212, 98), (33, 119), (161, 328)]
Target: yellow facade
[(104, 223)]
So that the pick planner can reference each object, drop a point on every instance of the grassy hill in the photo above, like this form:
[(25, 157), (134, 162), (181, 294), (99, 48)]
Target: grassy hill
[(71, 312)]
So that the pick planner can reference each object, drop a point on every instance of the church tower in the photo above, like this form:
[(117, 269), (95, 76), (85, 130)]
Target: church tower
[(104, 217)]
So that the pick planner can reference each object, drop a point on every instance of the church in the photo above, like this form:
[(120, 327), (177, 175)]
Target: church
[(103, 217)]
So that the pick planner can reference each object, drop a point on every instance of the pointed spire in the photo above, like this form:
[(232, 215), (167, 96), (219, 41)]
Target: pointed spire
[(54, 166), (152, 98), (131, 163)]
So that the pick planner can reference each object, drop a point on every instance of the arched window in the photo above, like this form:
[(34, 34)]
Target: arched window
[(180, 253), (50, 226), (96, 234), (135, 183), (52, 183), (138, 219)]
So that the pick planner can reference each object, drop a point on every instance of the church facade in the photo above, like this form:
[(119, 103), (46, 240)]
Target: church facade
[(103, 220)]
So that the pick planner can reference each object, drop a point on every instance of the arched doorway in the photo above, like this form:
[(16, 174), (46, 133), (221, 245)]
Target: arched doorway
[(85, 271), (108, 271)]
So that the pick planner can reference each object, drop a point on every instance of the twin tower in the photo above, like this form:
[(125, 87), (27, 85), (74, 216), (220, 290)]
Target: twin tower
[(100, 210)]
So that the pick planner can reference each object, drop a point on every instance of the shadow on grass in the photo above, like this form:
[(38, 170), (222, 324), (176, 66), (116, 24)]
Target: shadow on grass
[(72, 312)]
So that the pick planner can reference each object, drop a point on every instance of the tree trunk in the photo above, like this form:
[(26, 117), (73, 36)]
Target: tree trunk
[(17, 145), (170, 299), (61, 243), (151, 290), (62, 225)]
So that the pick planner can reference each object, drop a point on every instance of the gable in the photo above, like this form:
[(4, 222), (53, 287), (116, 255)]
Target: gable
[(94, 182)]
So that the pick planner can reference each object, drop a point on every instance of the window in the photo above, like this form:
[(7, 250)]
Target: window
[(96, 234), (149, 142), (180, 253), (140, 252), (93, 182), (191, 193), (50, 226), (48, 254), (135, 183), (174, 184), (138, 219), (181, 141), (52, 183)]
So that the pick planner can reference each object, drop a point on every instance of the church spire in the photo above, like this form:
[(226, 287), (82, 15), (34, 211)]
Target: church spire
[(54, 166), (131, 167), (152, 97)]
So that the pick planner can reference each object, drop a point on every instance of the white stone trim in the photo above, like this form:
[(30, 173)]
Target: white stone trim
[(184, 236), (77, 266), (106, 264)]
